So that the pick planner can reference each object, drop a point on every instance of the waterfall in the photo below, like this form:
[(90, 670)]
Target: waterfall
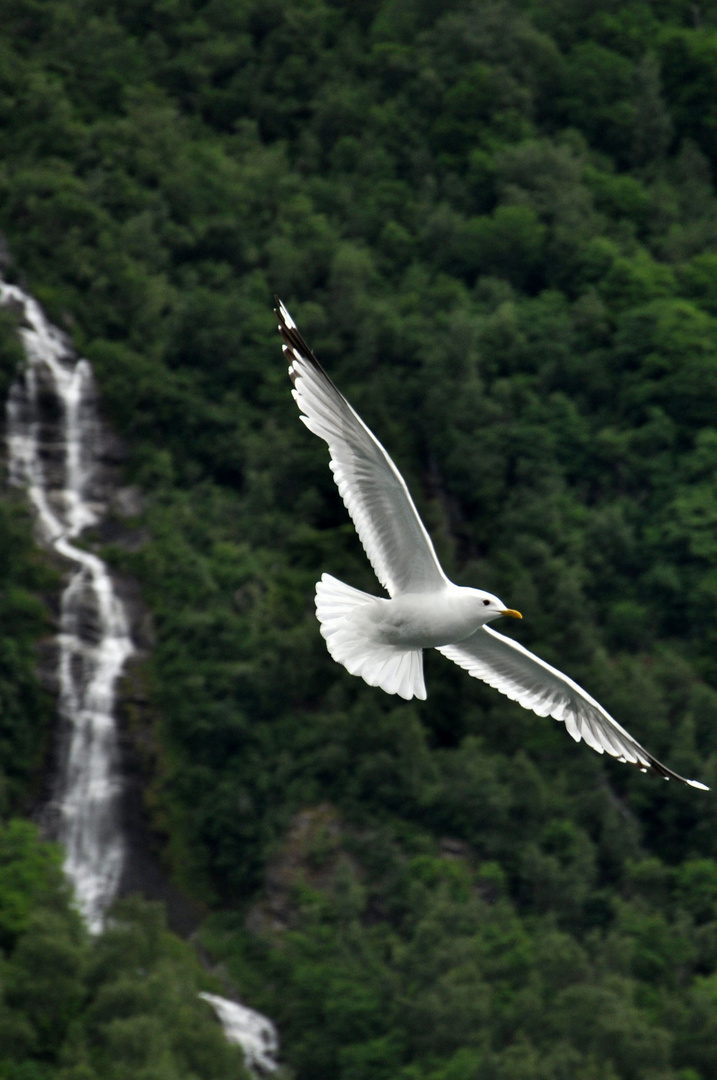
[(54, 437), (55, 440), (256, 1035)]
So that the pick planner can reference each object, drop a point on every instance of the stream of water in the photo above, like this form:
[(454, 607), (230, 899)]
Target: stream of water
[(54, 440), (53, 434)]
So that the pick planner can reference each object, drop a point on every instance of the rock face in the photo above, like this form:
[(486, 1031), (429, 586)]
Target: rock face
[(313, 853)]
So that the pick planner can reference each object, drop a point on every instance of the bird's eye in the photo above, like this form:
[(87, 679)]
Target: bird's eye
[(486, 602)]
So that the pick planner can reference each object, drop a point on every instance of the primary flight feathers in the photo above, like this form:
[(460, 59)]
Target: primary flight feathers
[(382, 640)]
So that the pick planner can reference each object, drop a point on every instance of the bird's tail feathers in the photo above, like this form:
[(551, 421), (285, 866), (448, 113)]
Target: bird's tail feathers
[(335, 601), (394, 670)]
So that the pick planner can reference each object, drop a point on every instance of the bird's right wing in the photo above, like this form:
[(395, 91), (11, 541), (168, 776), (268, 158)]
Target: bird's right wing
[(523, 677), (374, 492)]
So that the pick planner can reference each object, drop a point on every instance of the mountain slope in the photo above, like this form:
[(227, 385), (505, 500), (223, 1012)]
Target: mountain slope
[(497, 228)]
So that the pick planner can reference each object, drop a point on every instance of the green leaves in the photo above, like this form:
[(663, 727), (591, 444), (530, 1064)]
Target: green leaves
[(30, 877), (122, 1006), (492, 225)]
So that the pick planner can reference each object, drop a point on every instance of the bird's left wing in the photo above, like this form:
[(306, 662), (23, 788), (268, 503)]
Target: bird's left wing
[(525, 678), (372, 488)]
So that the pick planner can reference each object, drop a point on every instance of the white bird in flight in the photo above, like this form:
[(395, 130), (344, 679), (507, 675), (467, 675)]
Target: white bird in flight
[(383, 640)]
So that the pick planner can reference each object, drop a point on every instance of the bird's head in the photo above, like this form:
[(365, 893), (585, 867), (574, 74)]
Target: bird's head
[(490, 607)]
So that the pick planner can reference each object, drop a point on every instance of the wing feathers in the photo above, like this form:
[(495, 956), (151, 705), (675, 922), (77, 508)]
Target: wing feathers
[(370, 485), (525, 678)]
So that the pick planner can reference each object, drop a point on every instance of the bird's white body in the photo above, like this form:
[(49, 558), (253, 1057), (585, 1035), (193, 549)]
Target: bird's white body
[(382, 640), (427, 620)]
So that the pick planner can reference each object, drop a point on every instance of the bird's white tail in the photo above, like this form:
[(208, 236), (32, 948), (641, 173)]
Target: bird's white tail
[(338, 609)]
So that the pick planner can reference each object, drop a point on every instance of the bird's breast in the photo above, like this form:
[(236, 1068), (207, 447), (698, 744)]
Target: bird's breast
[(425, 620)]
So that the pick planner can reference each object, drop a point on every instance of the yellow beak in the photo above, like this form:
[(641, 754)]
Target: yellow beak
[(513, 614)]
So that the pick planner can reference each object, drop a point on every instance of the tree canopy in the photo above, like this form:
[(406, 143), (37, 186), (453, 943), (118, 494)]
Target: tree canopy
[(496, 223)]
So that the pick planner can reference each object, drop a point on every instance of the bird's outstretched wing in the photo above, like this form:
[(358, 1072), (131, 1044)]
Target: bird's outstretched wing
[(374, 492), (523, 677)]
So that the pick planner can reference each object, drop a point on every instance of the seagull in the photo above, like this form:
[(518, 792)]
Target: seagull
[(382, 640)]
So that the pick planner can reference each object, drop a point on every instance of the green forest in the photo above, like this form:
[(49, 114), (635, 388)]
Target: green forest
[(495, 221)]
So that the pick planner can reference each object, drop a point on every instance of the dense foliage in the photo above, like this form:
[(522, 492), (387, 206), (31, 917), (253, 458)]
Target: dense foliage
[(120, 1008), (497, 225)]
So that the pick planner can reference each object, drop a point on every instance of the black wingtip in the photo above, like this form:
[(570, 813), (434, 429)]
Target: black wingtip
[(669, 774), (292, 335)]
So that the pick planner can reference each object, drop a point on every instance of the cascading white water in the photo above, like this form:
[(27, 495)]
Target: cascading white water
[(54, 441), (53, 445), (256, 1035)]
